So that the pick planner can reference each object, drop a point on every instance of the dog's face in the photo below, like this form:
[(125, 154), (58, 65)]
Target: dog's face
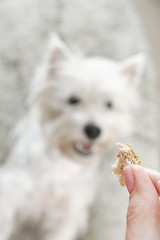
[(85, 103)]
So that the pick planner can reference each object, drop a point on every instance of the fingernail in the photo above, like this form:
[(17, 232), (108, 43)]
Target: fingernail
[(129, 178)]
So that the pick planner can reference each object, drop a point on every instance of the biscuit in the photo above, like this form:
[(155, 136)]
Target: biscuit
[(126, 156)]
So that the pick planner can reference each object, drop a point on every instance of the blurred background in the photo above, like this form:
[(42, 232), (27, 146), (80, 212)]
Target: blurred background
[(115, 29), (149, 11)]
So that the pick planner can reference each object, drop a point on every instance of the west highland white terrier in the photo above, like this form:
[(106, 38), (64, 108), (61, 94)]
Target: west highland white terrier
[(78, 106)]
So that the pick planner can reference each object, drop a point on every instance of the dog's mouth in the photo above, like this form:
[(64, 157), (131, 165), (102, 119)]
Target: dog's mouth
[(84, 149)]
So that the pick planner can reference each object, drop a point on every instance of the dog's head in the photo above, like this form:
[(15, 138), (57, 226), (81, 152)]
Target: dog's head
[(84, 103)]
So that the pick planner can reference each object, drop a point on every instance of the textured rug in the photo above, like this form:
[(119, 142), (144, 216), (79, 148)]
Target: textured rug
[(108, 28)]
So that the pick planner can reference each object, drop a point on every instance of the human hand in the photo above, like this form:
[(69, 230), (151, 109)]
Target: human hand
[(143, 216)]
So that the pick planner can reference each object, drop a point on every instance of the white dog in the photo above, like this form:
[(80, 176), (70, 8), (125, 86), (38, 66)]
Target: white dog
[(77, 107)]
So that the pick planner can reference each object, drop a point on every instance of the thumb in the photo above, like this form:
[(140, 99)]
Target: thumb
[(143, 216)]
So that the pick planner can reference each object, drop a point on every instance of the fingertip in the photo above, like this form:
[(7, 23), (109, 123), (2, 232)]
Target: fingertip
[(143, 183), (129, 178)]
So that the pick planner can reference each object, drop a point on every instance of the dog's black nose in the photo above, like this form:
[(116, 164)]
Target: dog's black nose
[(92, 131)]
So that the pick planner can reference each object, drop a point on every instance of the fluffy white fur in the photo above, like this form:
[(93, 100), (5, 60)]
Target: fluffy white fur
[(51, 173)]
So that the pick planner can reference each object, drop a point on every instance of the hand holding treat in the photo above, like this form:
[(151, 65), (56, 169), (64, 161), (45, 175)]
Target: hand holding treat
[(143, 184)]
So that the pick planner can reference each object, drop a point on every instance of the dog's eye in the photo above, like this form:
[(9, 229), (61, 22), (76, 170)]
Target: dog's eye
[(109, 104), (73, 100)]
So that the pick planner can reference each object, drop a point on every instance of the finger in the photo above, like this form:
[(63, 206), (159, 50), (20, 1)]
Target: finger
[(129, 178), (141, 179), (144, 208), (143, 182), (155, 178)]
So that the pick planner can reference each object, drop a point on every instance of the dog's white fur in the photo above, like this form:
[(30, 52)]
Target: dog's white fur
[(51, 173)]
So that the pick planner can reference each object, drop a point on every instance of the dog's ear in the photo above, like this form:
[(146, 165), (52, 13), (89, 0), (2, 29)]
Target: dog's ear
[(57, 50), (133, 67)]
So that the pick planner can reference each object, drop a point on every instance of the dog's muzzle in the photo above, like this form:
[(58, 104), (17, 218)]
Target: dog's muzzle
[(84, 149)]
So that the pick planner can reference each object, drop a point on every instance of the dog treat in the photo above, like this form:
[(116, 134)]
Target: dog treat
[(126, 156)]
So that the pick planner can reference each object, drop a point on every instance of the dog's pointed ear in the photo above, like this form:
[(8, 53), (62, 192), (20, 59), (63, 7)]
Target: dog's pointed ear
[(132, 68), (57, 50)]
